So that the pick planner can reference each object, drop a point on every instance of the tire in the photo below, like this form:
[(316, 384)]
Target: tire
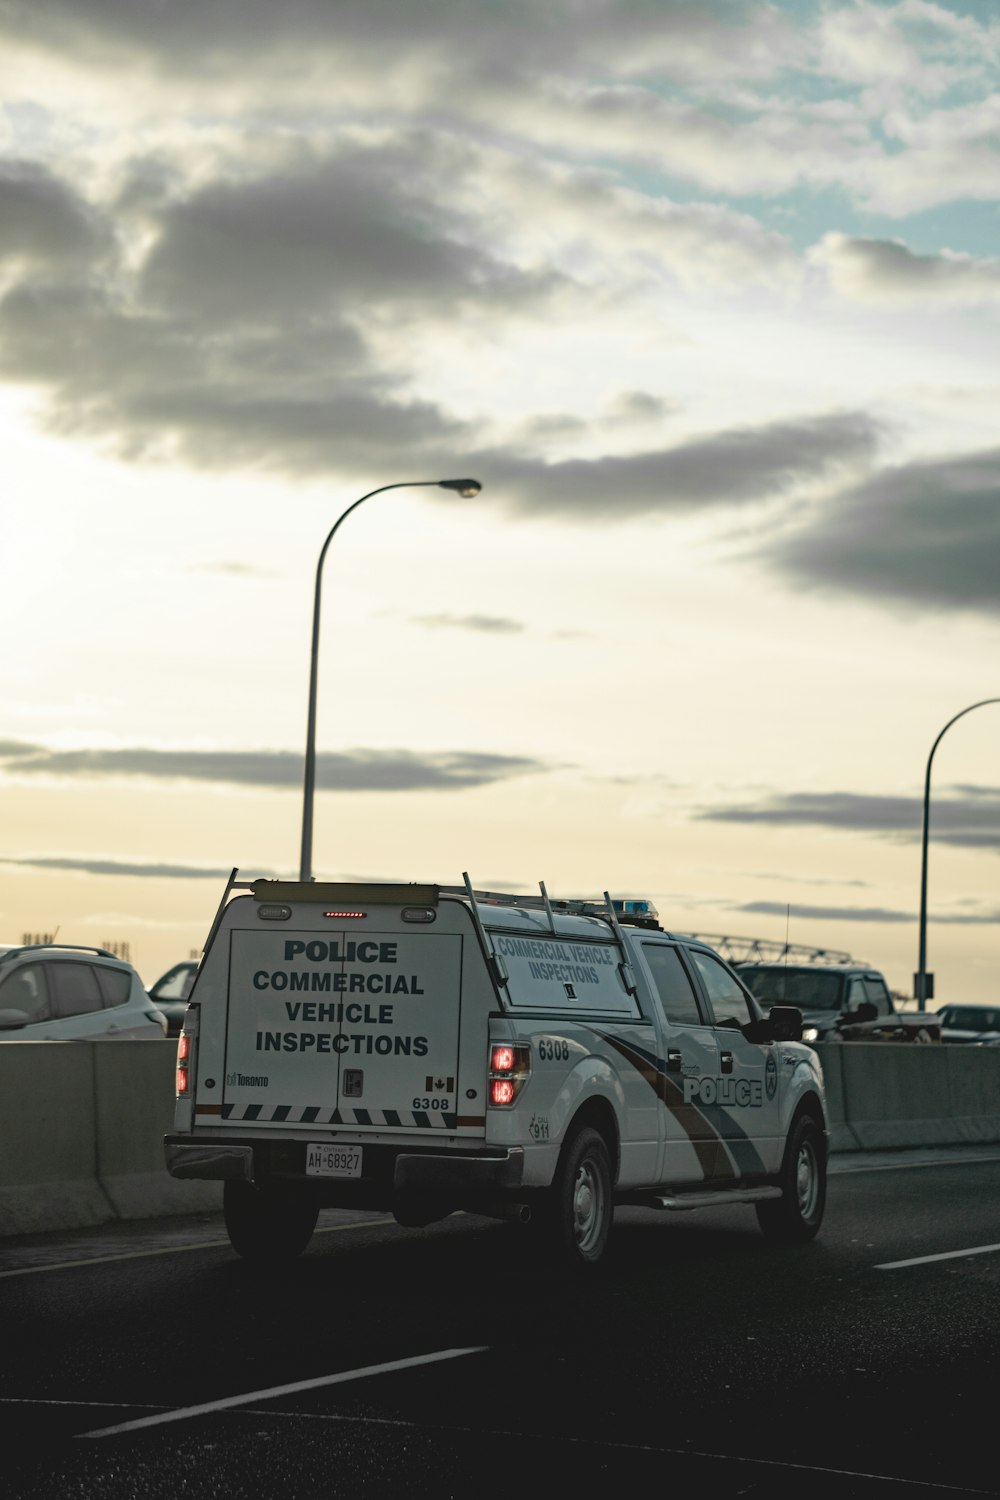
[(795, 1217), (268, 1224), (577, 1216)]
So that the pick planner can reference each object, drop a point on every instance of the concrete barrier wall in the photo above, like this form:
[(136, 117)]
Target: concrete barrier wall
[(82, 1123), (914, 1096), (81, 1135)]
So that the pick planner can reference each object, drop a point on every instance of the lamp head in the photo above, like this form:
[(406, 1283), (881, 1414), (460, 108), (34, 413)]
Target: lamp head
[(465, 487)]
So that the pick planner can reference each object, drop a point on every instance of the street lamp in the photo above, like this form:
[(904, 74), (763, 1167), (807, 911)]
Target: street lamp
[(921, 976), (466, 487)]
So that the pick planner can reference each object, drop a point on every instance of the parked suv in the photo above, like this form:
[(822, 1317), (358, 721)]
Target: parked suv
[(58, 992), (969, 1023)]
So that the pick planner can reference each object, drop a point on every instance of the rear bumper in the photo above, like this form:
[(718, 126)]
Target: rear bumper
[(463, 1175), (217, 1161), (460, 1175)]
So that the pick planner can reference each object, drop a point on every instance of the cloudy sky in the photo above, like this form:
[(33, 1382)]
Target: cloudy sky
[(706, 295)]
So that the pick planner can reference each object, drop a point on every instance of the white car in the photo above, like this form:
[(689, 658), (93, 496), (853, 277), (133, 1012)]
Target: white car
[(58, 992)]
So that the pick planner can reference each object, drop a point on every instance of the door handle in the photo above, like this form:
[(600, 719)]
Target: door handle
[(673, 1061), (726, 1061)]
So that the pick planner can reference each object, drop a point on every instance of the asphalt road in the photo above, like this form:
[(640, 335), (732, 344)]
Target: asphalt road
[(447, 1362)]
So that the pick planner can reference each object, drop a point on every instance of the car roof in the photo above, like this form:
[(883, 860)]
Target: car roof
[(777, 963), (61, 950)]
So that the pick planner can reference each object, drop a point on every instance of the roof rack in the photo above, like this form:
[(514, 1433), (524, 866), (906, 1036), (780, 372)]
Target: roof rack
[(636, 911), (768, 951), (18, 948)]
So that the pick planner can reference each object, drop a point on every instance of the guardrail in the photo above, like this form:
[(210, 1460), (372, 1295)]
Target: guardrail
[(82, 1123)]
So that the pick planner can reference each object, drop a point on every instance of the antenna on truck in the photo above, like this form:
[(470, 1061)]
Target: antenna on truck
[(494, 959), (548, 907), (624, 968)]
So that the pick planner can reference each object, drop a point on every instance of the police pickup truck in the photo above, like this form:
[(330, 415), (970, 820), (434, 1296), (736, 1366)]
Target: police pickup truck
[(424, 1049)]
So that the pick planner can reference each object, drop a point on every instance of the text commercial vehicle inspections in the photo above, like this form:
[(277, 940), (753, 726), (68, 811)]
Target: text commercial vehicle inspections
[(424, 1048)]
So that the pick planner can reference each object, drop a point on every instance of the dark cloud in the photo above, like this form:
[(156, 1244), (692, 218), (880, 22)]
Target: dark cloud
[(968, 818), (725, 468), (245, 339), (244, 336), (828, 913), (358, 228), (204, 40), (868, 914), (127, 868), (156, 389), (487, 624), (887, 270), (43, 221), (351, 771), (924, 534)]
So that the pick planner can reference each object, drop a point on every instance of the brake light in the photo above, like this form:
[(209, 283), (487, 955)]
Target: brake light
[(510, 1068), (183, 1065)]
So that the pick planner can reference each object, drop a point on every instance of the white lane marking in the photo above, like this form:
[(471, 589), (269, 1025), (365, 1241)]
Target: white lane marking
[(54, 1401), (103, 1260), (225, 1403), (923, 1260)]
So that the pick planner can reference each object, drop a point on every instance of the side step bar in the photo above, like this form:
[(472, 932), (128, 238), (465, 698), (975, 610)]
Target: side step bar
[(712, 1200)]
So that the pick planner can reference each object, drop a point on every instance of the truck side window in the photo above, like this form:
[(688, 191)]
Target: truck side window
[(729, 1003), (877, 994), (677, 996)]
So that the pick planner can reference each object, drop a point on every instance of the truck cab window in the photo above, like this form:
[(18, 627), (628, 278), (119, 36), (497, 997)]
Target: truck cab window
[(729, 1003), (677, 996), (877, 994)]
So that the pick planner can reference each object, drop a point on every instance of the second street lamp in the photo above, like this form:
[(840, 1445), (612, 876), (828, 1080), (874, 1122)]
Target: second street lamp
[(920, 985), (465, 487)]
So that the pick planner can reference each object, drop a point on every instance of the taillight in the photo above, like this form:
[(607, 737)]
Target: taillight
[(183, 1064), (510, 1067)]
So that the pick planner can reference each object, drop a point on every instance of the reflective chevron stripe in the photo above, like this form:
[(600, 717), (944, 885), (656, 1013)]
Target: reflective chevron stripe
[(315, 1114)]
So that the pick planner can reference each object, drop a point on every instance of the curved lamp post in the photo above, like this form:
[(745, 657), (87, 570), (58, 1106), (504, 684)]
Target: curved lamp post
[(466, 487), (920, 978)]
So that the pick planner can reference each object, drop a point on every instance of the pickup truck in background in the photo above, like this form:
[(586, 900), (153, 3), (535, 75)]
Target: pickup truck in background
[(839, 1002)]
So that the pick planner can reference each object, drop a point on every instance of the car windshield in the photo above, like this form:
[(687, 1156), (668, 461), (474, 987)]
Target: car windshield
[(965, 1018), (808, 989), (176, 984)]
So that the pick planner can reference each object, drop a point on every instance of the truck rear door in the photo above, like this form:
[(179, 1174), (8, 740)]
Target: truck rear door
[(346, 1020)]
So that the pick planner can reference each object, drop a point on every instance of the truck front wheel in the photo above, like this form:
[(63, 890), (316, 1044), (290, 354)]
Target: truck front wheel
[(580, 1207), (798, 1213), (270, 1223)]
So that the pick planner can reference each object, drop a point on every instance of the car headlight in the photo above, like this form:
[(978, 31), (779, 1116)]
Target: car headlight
[(810, 1034)]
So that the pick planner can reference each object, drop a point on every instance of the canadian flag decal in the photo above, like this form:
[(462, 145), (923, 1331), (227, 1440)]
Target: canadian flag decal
[(446, 1085)]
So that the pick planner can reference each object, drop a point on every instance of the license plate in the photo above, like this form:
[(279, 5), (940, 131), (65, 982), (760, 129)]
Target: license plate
[(326, 1160)]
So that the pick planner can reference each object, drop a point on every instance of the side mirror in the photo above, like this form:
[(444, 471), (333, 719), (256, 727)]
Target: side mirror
[(786, 1023), (12, 1020), (783, 1023), (866, 1011)]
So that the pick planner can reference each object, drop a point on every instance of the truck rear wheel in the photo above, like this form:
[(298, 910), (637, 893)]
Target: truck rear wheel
[(796, 1216), (577, 1217), (270, 1223)]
